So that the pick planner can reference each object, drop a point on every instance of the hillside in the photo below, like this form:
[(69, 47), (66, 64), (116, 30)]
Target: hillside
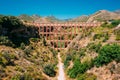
[(23, 55), (117, 11), (83, 18), (103, 15), (94, 54)]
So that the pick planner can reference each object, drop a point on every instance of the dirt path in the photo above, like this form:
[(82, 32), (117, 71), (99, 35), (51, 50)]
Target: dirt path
[(61, 75)]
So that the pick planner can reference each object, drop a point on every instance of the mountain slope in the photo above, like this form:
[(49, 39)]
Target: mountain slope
[(103, 15), (83, 18), (92, 54), (100, 16), (38, 19)]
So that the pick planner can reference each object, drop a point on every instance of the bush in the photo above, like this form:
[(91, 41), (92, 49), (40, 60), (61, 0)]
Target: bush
[(79, 68), (44, 42), (22, 46), (117, 37), (17, 77), (35, 39), (5, 41), (7, 59), (102, 35), (53, 51), (117, 33), (108, 53), (86, 76), (28, 50), (113, 24), (94, 47), (49, 70), (10, 22), (81, 52), (66, 62), (22, 77), (106, 37), (97, 36)]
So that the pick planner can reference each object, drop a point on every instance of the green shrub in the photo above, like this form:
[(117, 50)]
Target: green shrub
[(106, 37), (54, 52), (97, 36), (28, 50), (2, 72), (44, 42), (34, 39), (16, 77), (7, 59), (49, 70), (117, 33), (86, 76), (117, 37), (66, 62), (94, 47), (105, 24), (22, 77), (5, 41), (79, 68), (81, 52), (22, 46), (113, 24), (108, 53), (26, 77)]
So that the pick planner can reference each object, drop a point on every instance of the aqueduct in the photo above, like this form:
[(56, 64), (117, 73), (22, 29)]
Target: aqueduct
[(59, 35)]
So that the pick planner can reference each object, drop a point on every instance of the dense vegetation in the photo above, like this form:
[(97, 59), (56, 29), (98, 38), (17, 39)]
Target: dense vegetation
[(113, 24), (79, 68), (107, 54), (49, 70), (13, 32)]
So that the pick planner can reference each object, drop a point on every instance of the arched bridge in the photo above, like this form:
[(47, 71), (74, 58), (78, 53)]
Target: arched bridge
[(59, 35)]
